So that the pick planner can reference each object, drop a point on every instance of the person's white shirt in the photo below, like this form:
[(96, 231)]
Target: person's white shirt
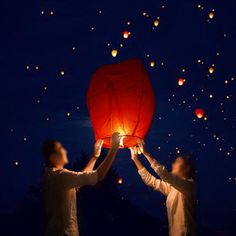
[(181, 199), (59, 186)]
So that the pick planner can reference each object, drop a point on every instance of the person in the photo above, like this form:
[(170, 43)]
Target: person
[(178, 186), (59, 184)]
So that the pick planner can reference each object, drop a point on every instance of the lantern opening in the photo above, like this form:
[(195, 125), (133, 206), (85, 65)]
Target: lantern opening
[(125, 142)]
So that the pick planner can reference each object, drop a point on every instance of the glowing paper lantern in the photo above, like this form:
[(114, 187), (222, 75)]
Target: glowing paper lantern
[(199, 112), (152, 63), (114, 53), (120, 98), (211, 15), (126, 34), (181, 81), (156, 22), (120, 180), (211, 70)]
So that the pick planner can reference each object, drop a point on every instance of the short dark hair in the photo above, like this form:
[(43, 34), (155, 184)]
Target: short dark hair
[(48, 148), (188, 161)]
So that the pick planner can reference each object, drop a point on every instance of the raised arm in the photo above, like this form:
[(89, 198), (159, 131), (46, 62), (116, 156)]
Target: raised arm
[(182, 185), (97, 151), (72, 179), (147, 178), (106, 164)]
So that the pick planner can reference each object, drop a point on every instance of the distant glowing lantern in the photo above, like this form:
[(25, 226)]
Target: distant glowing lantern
[(126, 34), (152, 63), (211, 15), (120, 99), (181, 81), (156, 23), (114, 53), (211, 70), (199, 112), (120, 180)]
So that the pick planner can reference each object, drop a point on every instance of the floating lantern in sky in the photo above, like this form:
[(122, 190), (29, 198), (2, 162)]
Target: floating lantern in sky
[(199, 112), (62, 72), (120, 99), (156, 22), (211, 70), (114, 53), (211, 15), (120, 180), (152, 63), (126, 34), (181, 81)]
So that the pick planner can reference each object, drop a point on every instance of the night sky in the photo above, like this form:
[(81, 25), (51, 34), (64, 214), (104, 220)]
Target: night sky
[(50, 49)]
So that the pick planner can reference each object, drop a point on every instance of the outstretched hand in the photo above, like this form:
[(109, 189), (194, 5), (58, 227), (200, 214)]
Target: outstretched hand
[(134, 153), (98, 147), (142, 146)]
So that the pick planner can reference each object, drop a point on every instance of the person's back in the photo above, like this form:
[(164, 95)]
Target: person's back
[(181, 209), (178, 186), (59, 186)]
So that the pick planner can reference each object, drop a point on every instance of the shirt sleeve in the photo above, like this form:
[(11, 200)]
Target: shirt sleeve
[(73, 179), (153, 182), (184, 186)]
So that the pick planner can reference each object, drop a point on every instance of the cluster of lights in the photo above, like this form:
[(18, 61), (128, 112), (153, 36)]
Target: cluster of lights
[(50, 13), (36, 67)]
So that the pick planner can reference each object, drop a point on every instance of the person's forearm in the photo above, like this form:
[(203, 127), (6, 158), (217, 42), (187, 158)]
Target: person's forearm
[(149, 157), (106, 164), (138, 164), (90, 165)]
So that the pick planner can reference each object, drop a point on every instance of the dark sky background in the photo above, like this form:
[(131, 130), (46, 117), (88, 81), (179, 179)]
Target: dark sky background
[(42, 39)]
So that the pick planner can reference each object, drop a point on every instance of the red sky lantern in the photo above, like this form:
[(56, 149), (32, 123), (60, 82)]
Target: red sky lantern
[(120, 180), (199, 112), (126, 34), (120, 98), (181, 81)]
